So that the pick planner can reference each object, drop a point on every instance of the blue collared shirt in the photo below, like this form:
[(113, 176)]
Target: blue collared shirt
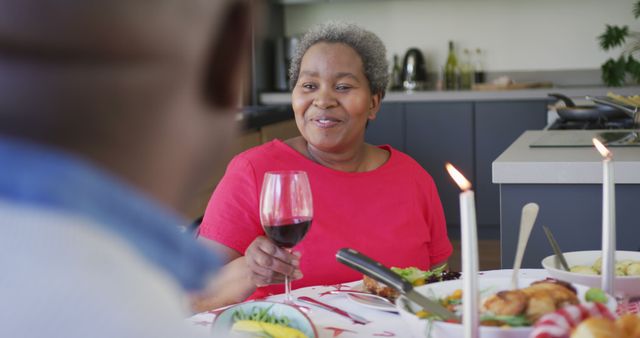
[(33, 175)]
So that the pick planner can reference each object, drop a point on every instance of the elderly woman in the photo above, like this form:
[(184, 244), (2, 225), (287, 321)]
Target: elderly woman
[(374, 199)]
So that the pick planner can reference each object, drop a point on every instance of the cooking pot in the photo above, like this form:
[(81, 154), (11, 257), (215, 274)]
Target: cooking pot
[(583, 113)]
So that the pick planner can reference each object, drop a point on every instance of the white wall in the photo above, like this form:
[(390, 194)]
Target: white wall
[(517, 35)]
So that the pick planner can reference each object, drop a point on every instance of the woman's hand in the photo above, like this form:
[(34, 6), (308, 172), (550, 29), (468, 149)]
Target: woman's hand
[(269, 263)]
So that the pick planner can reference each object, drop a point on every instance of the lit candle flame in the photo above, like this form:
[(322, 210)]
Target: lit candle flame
[(461, 181), (601, 148)]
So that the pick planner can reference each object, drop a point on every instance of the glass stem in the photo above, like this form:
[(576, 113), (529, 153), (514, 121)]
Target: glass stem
[(287, 287), (287, 290)]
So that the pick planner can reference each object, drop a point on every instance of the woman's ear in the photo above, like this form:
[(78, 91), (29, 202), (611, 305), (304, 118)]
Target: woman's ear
[(229, 55), (374, 107)]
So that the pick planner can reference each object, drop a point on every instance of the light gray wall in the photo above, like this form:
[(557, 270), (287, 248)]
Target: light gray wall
[(517, 35)]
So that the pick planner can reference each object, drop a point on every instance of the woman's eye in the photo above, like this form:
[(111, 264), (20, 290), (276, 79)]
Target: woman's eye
[(308, 86), (343, 87)]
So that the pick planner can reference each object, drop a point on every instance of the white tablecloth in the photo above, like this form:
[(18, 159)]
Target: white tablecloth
[(329, 325)]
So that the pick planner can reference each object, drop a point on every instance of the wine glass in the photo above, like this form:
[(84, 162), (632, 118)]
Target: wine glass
[(286, 211)]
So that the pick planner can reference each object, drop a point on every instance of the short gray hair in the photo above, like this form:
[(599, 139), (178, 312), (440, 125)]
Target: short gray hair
[(368, 46)]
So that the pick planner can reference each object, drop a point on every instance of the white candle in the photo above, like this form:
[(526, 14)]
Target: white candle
[(608, 219), (469, 244)]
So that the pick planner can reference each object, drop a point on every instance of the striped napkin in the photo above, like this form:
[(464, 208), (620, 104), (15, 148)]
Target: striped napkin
[(560, 323)]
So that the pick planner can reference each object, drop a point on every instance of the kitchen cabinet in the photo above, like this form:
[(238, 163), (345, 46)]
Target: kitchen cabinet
[(566, 183), (497, 125), (388, 127), (469, 134), (437, 133)]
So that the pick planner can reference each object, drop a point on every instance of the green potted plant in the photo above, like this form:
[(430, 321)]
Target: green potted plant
[(615, 71)]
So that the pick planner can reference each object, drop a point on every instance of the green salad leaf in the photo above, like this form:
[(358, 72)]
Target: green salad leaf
[(513, 321), (412, 274)]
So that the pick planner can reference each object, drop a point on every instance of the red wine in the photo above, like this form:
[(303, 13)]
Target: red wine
[(288, 235)]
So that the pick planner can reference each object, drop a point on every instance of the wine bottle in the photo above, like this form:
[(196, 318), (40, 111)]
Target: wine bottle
[(479, 75), (451, 69), (466, 71), (395, 81)]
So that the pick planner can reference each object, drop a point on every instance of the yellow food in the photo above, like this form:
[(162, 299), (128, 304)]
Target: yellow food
[(627, 326), (625, 267), (629, 100), (273, 330), (533, 301), (422, 314)]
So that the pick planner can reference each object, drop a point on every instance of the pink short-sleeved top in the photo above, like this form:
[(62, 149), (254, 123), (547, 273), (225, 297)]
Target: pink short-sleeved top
[(392, 214)]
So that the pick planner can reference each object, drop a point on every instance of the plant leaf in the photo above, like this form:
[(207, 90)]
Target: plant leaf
[(636, 9), (614, 36), (633, 68), (613, 72)]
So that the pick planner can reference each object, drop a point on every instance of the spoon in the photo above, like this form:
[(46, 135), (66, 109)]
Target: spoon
[(556, 248), (528, 218)]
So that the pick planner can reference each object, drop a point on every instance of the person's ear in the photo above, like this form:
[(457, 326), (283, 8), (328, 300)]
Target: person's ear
[(374, 107), (229, 55)]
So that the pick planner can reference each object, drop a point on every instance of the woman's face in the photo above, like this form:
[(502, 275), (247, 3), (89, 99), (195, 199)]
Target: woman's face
[(332, 100)]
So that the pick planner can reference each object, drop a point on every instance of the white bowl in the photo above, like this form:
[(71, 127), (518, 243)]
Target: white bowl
[(625, 286), (487, 286)]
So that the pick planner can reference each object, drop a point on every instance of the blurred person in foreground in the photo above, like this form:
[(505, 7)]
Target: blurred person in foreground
[(112, 113), (374, 199)]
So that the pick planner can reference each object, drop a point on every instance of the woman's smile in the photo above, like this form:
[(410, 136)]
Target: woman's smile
[(325, 122)]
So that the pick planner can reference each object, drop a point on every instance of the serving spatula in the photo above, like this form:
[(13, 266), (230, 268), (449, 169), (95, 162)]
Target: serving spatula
[(382, 274)]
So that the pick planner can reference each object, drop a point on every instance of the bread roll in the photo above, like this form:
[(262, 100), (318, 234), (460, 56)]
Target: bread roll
[(629, 325), (597, 327)]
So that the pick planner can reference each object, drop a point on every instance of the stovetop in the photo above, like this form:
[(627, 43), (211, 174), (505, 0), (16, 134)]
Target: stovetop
[(604, 124)]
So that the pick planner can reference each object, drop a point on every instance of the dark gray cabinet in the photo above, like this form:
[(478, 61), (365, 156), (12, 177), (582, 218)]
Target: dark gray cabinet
[(388, 127), (497, 125), (470, 135), (437, 133)]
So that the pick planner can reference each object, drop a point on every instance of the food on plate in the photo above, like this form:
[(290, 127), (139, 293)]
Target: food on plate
[(261, 323), (596, 295), (531, 302), (583, 269), (625, 267), (628, 100), (516, 308), (262, 329), (596, 327), (413, 275)]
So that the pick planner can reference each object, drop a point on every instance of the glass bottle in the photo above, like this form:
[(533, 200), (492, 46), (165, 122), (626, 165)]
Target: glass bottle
[(451, 69), (479, 75), (466, 71), (395, 80)]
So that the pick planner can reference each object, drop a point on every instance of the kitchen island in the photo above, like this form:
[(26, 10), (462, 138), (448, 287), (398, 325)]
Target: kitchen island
[(566, 182)]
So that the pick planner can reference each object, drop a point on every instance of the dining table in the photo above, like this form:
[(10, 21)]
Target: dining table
[(381, 323)]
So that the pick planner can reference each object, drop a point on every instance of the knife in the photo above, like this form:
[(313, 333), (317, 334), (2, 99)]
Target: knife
[(382, 274), (556, 248), (354, 317)]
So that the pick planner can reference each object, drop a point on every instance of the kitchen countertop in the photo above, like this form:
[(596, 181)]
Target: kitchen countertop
[(468, 95), (521, 164)]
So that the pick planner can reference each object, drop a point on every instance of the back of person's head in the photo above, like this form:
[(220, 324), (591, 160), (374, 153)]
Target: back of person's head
[(128, 84), (368, 46)]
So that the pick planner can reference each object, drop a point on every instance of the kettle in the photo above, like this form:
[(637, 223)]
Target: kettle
[(414, 70)]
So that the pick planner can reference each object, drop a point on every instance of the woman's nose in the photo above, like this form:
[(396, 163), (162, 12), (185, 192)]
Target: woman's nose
[(324, 99)]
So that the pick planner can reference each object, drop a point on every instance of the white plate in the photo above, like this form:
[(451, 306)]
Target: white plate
[(370, 302), (224, 321), (487, 286)]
